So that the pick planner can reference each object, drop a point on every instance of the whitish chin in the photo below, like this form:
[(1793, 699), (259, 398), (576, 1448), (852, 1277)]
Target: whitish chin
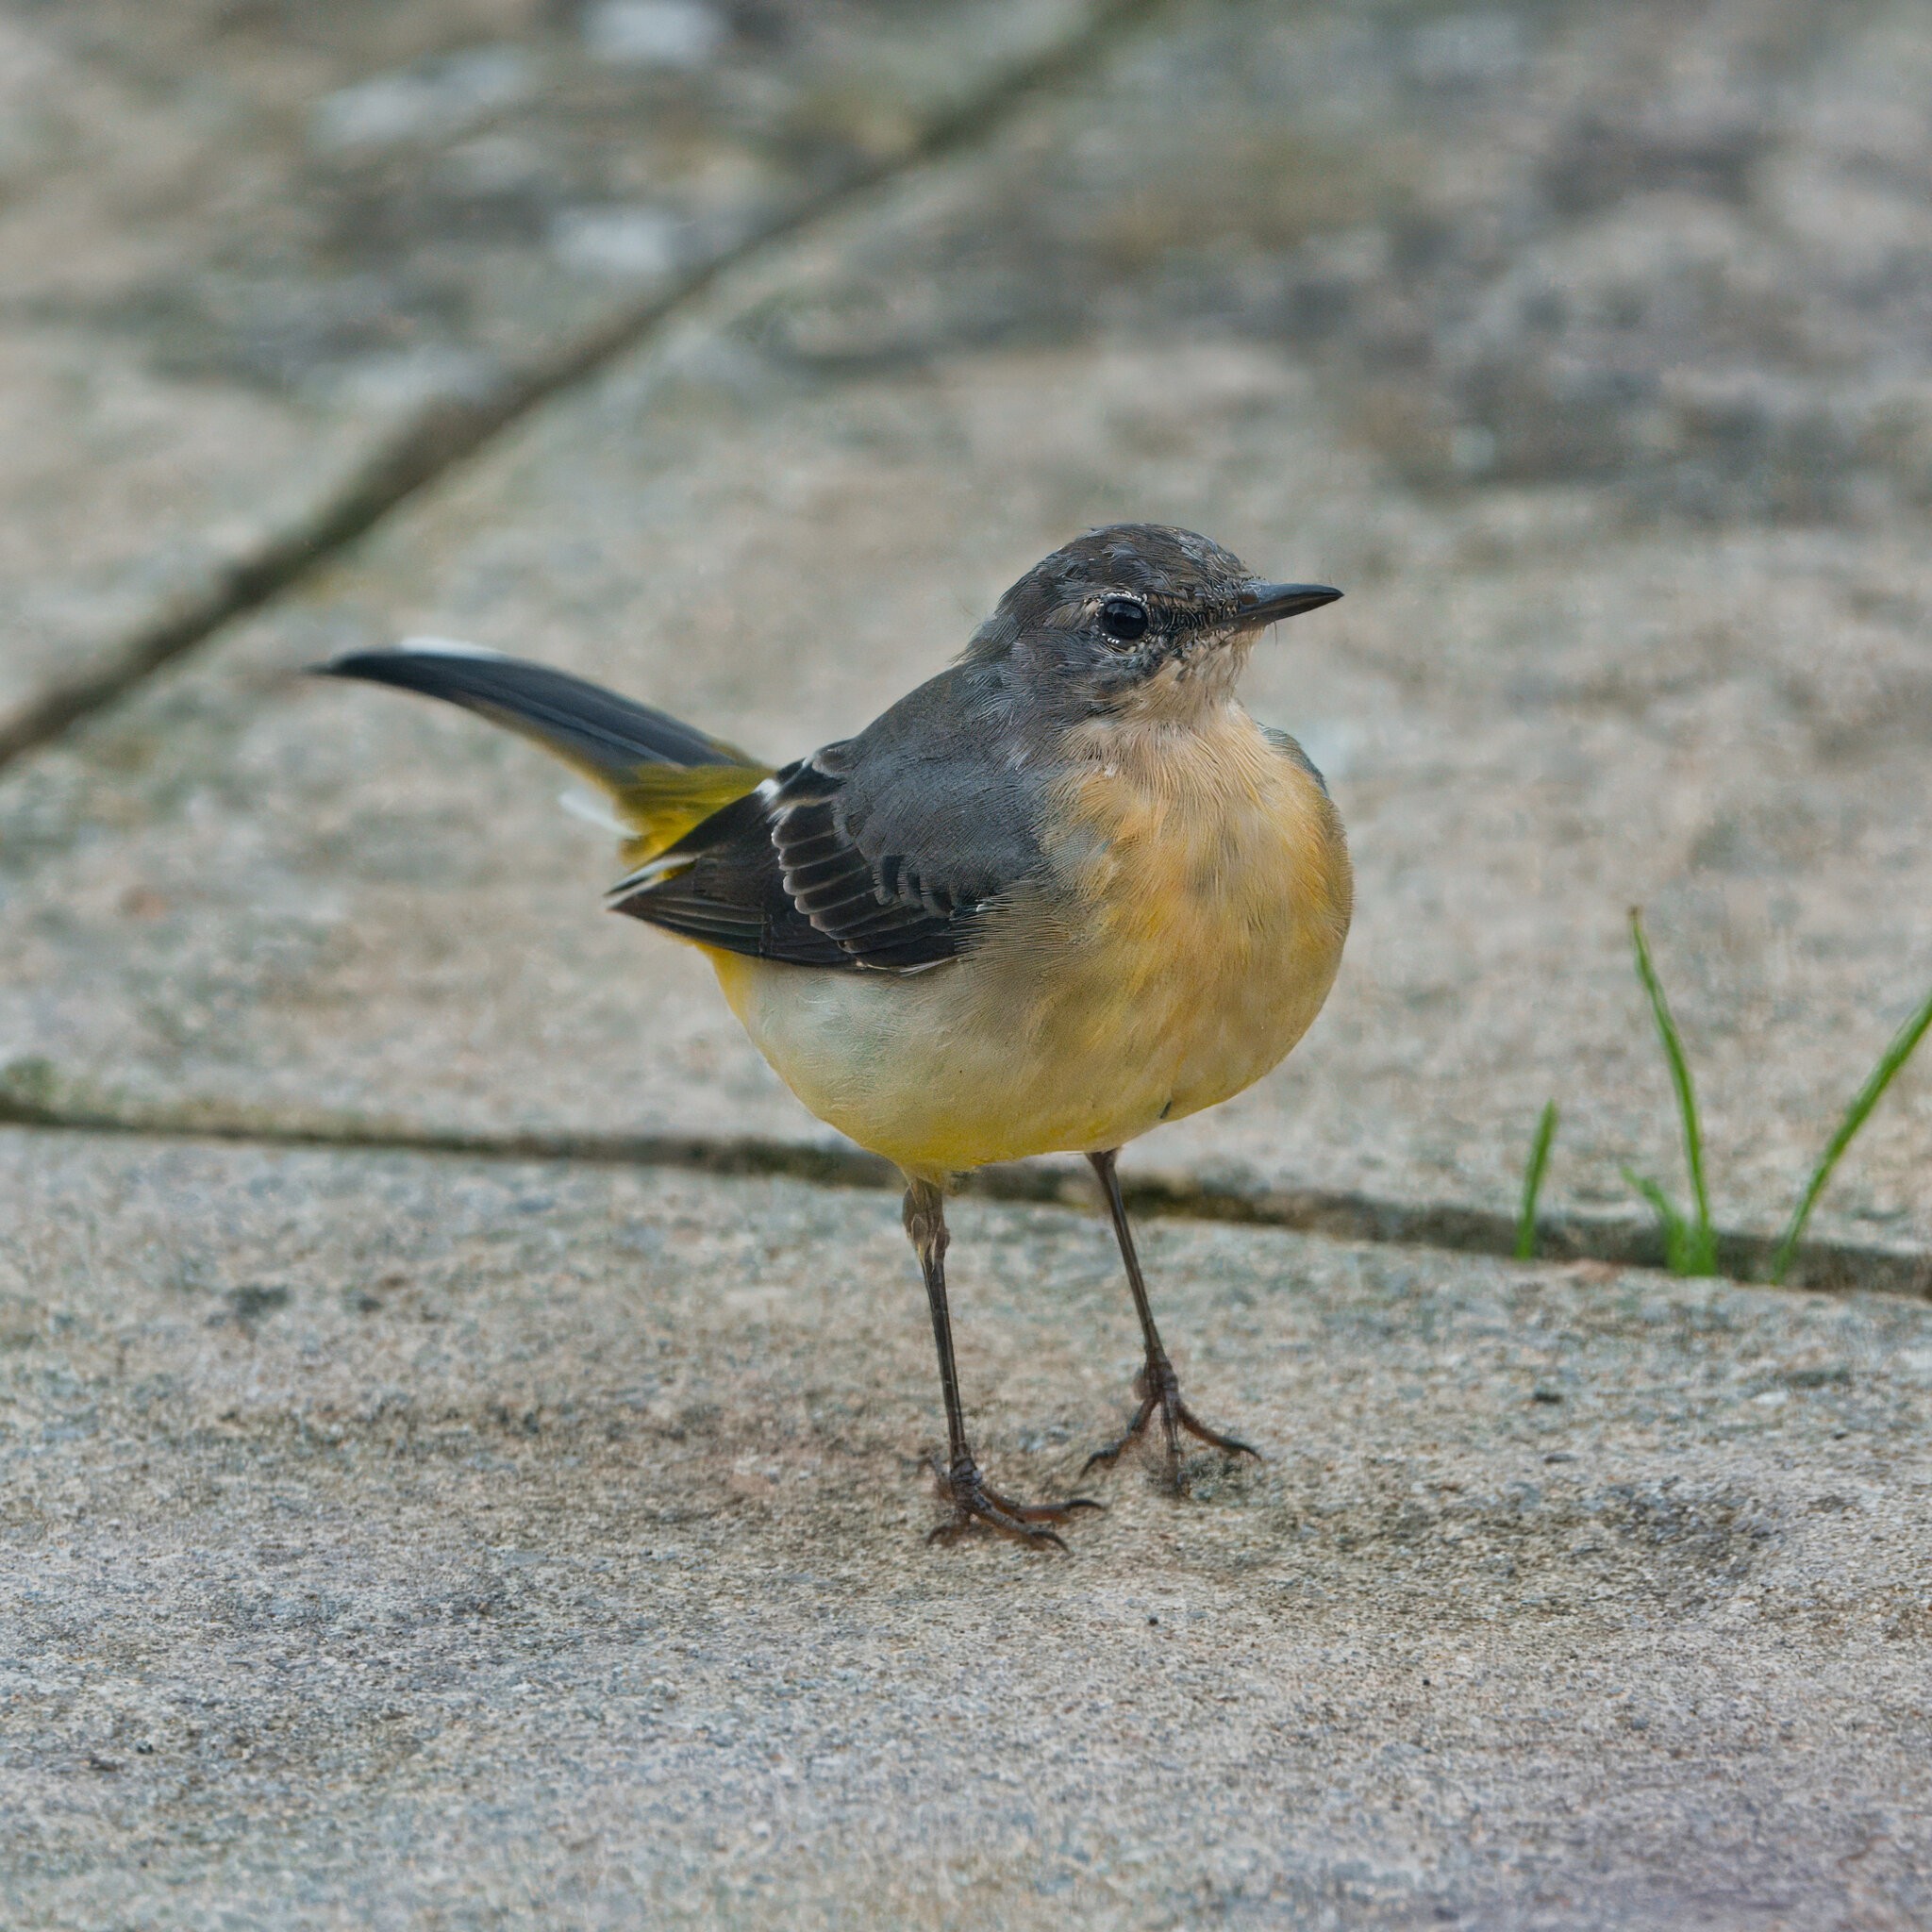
[(1181, 692)]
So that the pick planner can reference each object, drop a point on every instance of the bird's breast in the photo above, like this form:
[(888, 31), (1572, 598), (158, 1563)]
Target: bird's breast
[(1209, 894)]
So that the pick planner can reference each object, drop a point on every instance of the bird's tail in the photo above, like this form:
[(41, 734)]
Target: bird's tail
[(662, 777)]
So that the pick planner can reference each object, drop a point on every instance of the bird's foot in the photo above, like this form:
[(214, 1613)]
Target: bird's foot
[(1160, 1390), (962, 1485)]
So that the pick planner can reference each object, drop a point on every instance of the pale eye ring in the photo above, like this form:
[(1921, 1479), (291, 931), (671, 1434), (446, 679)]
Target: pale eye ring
[(1124, 619)]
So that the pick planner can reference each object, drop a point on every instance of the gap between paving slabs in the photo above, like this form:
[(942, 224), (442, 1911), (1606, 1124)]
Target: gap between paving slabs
[(1831, 1267), (449, 430)]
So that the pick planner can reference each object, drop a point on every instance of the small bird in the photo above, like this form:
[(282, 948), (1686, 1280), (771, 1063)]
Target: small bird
[(1064, 890)]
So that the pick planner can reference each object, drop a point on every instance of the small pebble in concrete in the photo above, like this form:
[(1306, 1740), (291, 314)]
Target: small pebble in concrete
[(653, 33)]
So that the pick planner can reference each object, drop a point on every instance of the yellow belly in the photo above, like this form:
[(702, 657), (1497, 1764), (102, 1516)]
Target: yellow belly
[(1191, 931)]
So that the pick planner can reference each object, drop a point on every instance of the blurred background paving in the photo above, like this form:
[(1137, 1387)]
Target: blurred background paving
[(1587, 349), (263, 259), (409, 1541)]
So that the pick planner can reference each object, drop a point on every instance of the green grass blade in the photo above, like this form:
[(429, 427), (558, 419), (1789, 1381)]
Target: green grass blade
[(1699, 1254), (1867, 1097), (1699, 1241), (1667, 1216), (1533, 1181)]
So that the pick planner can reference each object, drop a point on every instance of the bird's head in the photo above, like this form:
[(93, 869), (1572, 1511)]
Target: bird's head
[(1135, 621)]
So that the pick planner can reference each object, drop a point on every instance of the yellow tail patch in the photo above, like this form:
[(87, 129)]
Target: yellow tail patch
[(661, 803)]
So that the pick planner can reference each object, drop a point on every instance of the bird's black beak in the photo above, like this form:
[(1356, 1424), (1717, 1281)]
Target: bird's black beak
[(1263, 604)]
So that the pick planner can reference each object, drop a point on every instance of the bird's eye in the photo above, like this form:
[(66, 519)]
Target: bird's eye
[(1124, 619)]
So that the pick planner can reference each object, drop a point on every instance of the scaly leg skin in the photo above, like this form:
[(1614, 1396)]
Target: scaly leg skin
[(965, 1489), (959, 1480), (1156, 1384)]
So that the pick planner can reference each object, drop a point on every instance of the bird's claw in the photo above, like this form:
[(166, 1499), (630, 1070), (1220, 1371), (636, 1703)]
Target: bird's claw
[(962, 1485), (1160, 1391)]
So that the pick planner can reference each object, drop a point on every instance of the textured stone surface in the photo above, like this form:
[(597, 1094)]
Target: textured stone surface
[(243, 248), (1561, 684), (394, 1541)]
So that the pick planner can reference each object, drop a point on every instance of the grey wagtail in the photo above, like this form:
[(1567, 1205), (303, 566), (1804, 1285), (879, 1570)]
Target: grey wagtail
[(1064, 890)]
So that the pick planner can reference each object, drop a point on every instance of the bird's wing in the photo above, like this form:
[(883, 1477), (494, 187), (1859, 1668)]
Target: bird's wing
[(884, 851)]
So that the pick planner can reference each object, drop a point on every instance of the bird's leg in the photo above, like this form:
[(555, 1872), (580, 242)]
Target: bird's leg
[(961, 1481), (1156, 1384)]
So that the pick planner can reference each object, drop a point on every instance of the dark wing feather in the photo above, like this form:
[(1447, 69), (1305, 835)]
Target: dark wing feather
[(884, 851), (771, 875), (721, 884)]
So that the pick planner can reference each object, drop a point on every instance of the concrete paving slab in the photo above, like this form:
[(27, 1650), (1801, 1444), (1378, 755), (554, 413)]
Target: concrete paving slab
[(255, 258), (1542, 703), (395, 1540)]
